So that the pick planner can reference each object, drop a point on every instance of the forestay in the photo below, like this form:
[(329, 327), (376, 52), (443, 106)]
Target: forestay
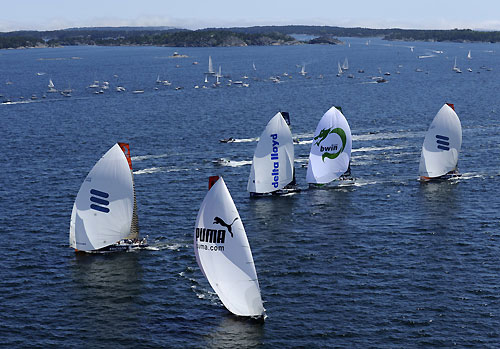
[(272, 165), (331, 148), (223, 253), (104, 207), (442, 144)]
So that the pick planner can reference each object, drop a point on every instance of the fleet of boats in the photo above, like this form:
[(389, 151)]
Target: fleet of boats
[(104, 216)]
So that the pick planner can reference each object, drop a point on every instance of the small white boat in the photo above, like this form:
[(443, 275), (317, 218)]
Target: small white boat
[(303, 70), (455, 67), (441, 147), (272, 170), (339, 69), (223, 253), (211, 70), (104, 216), (95, 84), (330, 155), (469, 55), (345, 65), (51, 86)]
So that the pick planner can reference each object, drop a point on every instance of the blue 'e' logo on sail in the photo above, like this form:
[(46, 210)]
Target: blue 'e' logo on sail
[(99, 204), (443, 142)]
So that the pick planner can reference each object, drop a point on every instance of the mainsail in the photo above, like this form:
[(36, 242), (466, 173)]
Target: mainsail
[(223, 253), (331, 148), (442, 144), (272, 165), (210, 66), (105, 208)]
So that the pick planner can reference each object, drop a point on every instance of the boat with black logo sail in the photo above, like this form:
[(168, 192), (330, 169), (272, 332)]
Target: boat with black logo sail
[(223, 252)]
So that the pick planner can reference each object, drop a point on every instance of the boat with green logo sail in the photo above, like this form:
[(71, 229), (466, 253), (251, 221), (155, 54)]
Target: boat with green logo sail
[(330, 155)]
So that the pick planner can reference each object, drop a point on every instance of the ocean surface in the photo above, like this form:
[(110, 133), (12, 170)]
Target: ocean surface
[(385, 262)]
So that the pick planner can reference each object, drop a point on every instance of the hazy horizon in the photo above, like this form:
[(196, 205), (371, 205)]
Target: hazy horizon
[(425, 14)]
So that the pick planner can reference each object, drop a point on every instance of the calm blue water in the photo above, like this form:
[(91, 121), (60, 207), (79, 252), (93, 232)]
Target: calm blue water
[(388, 262)]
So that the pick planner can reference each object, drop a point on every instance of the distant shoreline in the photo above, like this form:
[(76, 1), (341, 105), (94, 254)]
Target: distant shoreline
[(228, 37)]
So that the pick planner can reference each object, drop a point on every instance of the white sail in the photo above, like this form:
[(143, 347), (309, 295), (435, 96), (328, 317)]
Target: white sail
[(223, 253), (253, 64), (442, 144), (469, 56), (345, 66), (103, 211), (331, 148), (210, 66), (51, 84), (303, 70), (339, 68), (272, 165)]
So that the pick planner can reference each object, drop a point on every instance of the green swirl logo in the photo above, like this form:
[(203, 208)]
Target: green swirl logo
[(328, 151)]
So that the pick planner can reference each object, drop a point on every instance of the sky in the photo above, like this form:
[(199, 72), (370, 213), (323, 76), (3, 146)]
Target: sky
[(407, 14)]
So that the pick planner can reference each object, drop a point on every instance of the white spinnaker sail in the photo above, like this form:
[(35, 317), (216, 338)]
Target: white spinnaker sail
[(272, 165), (223, 253), (442, 144), (103, 209), (331, 148)]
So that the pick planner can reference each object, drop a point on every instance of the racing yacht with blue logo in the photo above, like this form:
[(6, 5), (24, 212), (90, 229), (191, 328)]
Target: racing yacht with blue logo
[(104, 216), (442, 144), (330, 155), (223, 252), (272, 170)]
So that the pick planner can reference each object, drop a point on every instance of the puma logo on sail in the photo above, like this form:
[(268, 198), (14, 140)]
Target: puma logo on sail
[(220, 221)]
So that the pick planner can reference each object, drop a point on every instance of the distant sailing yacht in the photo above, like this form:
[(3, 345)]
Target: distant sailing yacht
[(339, 69), (51, 86), (345, 65), (303, 70), (211, 70), (469, 55)]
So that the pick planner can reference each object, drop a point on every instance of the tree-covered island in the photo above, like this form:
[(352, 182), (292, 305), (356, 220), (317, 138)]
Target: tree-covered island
[(219, 37)]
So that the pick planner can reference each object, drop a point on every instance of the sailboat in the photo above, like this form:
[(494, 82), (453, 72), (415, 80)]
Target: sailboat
[(441, 146), (303, 70), (104, 216), (345, 65), (223, 252), (211, 70), (469, 55), (51, 86), (253, 65), (218, 76), (339, 69), (455, 68), (272, 170), (330, 154)]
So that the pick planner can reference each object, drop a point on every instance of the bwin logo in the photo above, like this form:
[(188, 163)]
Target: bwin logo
[(218, 220), (443, 142), (328, 151), (99, 204)]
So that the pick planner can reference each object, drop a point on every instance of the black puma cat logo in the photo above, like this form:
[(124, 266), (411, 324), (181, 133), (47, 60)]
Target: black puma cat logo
[(218, 220)]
